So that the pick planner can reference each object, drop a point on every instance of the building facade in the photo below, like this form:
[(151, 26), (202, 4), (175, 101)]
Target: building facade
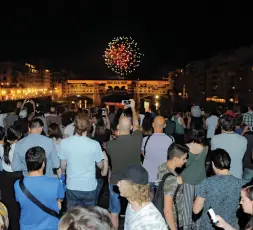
[(97, 89), (23, 80), (226, 77)]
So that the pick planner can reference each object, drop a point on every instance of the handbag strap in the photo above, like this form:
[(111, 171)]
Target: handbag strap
[(175, 203), (36, 201), (146, 145), (199, 155)]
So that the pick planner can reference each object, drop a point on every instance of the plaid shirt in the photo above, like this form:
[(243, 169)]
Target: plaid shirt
[(248, 119)]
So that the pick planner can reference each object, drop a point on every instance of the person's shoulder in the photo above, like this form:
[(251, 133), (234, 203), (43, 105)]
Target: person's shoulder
[(91, 141), (171, 179), (145, 138), (16, 185), (23, 140), (154, 217), (169, 137), (240, 138), (45, 138), (217, 136), (137, 132), (49, 180)]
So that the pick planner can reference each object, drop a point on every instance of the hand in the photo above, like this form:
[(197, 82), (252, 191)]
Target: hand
[(126, 107), (221, 222), (132, 104), (180, 180)]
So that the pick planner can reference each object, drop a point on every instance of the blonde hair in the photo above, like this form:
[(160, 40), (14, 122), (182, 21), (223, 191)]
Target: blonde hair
[(137, 192)]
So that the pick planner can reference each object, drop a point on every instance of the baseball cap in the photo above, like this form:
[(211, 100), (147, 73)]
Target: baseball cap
[(136, 174), (230, 113), (23, 113)]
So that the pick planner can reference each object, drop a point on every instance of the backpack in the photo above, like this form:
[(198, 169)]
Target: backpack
[(170, 127), (158, 199)]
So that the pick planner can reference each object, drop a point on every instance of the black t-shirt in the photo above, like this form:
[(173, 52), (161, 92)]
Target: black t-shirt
[(247, 160), (101, 139), (125, 151), (68, 118)]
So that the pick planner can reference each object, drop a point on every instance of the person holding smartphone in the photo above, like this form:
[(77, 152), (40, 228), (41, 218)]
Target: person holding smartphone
[(220, 192), (247, 206)]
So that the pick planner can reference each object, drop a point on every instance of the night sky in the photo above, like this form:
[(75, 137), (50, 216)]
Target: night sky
[(74, 34)]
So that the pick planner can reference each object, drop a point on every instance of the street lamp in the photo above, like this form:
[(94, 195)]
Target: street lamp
[(157, 96)]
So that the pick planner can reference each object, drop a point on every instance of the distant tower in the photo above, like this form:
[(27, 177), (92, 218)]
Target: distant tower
[(171, 94)]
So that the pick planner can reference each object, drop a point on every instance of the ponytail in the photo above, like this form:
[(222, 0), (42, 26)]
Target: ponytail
[(7, 148)]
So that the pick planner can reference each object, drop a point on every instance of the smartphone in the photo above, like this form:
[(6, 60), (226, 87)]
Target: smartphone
[(126, 102), (103, 111), (213, 216)]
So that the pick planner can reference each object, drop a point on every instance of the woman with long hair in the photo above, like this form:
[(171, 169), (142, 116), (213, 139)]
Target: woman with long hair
[(247, 206), (9, 177), (102, 135), (54, 132), (147, 128)]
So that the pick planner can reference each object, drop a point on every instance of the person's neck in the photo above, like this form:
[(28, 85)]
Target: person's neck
[(124, 133), (34, 132), (171, 166), (229, 132), (222, 172), (36, 173), (136, 206), (158, 130), (83, 134)]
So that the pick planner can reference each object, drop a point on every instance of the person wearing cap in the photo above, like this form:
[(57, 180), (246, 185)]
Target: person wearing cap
[(141, 212)]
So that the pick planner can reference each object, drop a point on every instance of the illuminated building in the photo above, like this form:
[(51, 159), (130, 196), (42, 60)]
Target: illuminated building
[(97, 89), (226, 77), (20, 81)]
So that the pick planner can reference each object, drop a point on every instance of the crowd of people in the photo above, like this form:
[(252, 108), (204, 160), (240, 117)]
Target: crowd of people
[(161, 171)]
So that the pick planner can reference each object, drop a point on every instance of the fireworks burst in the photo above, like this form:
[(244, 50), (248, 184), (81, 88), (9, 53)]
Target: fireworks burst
[(122, 55)]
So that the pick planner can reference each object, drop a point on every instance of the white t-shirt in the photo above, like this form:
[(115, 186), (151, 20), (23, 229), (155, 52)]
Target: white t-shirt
[(211, 123), (2, 117), (6, 167), (69, 130), (148, 218)]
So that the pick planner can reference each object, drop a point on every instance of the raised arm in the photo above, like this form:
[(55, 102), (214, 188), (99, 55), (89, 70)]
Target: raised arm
[(135, 117)]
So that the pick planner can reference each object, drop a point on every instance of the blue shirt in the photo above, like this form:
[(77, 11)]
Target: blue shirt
[(222, 194), (236, 146), (81, 153), (47, 190), (33, 140)]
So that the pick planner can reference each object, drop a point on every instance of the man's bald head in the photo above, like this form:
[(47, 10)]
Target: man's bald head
[(125, 125), (159, 123)]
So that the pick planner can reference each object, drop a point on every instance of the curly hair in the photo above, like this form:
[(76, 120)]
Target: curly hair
[(137, 192), (86, 218)]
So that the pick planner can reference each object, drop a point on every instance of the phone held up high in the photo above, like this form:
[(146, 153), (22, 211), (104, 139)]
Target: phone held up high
[(126, 102), (103, 111)]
